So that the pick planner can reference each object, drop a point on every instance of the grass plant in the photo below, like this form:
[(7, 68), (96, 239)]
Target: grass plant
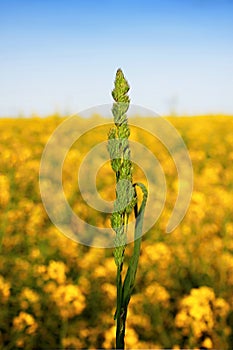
[(126, 202)]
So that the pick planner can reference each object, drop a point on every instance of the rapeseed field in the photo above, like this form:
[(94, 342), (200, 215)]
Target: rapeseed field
[(58, 294)]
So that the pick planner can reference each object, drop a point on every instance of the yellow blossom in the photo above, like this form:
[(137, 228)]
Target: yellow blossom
[(30, 295), (207, 343), (4, 289), (35, 253), (72, 342), (199, 312), (56, 271), (109, 290), (4, 191), (69, 299), (157, 294), (25, 322), (109, 338), (222, 307)]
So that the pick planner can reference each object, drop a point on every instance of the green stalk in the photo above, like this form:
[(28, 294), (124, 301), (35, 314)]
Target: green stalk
[(126, 201)]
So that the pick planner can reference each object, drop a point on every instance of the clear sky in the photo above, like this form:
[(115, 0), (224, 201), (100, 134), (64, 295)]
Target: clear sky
[(62, 55)]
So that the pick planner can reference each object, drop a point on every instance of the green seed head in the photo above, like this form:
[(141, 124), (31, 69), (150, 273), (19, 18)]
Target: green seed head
[(121, 88), (118, 147)]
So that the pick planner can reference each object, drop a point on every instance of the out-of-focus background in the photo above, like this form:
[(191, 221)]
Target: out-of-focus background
[(59, 58)]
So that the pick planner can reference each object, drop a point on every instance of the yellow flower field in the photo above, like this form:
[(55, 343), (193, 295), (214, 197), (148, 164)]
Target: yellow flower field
[(58, 294)]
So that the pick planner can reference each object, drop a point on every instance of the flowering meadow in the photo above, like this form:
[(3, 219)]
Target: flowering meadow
[(58, 294)]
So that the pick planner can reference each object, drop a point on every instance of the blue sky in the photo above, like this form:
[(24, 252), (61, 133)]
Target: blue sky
[(62, 55)]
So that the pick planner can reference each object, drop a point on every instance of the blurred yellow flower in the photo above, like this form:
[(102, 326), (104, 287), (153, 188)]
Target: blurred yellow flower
[(50, 287), (25, 323), (200, 312), (69, 299), (4, 191), (72, 342), (4, 289), (84, 285), (57, 271), (28, 296), (131, 338), (91, 258), (109, 338), (35, 253), (221, 307), (109, 290), (158, 253), (139, 320), (207, 343), (157, 294), (100, 271)]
